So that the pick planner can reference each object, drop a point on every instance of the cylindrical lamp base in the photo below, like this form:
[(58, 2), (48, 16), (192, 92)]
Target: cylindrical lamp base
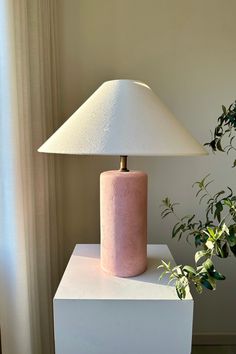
[(123, 214)]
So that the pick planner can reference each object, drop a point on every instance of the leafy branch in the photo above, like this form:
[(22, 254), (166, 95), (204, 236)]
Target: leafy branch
[(215, 238), (225, 128), (201, 276), (216, 235)]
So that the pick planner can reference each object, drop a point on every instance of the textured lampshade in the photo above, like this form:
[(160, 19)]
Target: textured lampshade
[(123, 117)]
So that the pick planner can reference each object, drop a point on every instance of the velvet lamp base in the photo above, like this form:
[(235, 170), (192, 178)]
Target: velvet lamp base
[(123, 214)]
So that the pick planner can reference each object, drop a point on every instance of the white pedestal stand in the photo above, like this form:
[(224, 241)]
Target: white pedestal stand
[(95, 313)]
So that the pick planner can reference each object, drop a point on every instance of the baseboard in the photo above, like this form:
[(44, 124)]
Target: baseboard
[(214, 339)]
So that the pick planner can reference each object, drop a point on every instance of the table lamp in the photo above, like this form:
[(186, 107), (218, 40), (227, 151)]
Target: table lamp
[(123, 117)]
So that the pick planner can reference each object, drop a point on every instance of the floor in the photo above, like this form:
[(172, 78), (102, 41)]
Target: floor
[(208, 349)]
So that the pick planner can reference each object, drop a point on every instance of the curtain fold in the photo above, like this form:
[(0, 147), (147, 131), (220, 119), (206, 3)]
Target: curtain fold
[(30, 233)]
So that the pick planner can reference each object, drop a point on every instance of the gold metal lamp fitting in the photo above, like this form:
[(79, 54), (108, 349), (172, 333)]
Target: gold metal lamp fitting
[(123, 164)]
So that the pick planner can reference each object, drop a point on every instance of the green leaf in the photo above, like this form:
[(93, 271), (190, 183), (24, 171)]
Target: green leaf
[(206, 284), (211, 232), (218, 276), (202, 197), (224, 228), (198, 240), (212, 281), (200, 254), (228, 203), (162, 274), (176, 230), (165, 214), (231, 237), (180, 292), (208, 265), (182, 287), (160, 266), (202, 182), (177, 269), (198, 192), (217, 195), (218, 145), (172, 276), (180, 235), (209, 183), (165, 265), (198, 287), (219, 208), (191, 219), (189, 269), (224, 109), (224, 251)]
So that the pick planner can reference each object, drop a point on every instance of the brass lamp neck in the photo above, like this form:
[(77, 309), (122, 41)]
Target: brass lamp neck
[(123, 164)]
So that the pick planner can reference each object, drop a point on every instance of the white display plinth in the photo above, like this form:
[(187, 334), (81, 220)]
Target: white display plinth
[(96, 313)]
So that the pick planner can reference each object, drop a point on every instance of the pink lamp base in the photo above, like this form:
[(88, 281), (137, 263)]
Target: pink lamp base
[(123, 212)]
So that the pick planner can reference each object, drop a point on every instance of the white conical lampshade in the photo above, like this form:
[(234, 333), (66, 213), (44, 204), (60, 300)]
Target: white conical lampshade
[(123, 117)]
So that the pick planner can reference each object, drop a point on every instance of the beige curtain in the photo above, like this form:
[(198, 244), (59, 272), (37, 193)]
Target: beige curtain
[(30, 234)]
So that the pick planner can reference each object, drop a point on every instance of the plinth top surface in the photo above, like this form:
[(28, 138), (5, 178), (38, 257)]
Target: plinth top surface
[(85, 280)]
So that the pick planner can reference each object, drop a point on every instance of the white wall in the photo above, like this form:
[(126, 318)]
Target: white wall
[(186, 51)]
